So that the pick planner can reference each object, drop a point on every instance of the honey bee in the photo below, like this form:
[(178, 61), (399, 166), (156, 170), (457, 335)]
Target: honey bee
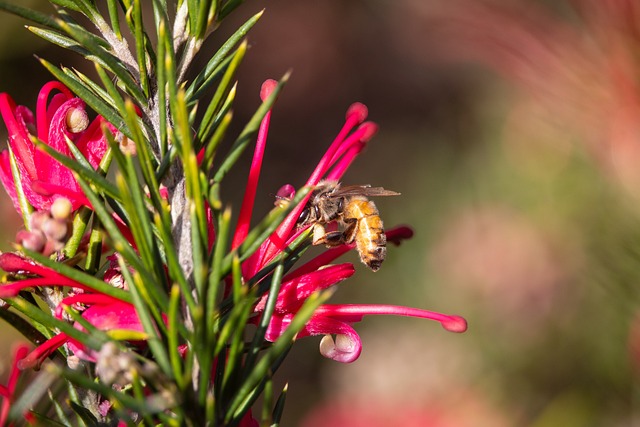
[(357, 216)]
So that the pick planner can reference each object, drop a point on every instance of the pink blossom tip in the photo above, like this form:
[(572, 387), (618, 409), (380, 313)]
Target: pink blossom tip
[(286, 192), (369, 129), (397, 234), (455, 324), (12, 263), (358, 111), (267, 88)]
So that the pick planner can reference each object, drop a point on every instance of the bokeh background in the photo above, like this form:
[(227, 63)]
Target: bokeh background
[(511, 128)]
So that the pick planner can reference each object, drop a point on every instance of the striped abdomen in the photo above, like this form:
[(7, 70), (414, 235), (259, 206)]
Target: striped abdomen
[(370, 239)]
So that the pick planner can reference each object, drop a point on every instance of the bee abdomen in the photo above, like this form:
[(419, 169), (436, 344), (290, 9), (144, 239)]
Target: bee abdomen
[(372, 242)]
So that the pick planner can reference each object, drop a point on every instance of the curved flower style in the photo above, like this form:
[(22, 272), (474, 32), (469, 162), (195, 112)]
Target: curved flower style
[(318, 274), (57, 118)]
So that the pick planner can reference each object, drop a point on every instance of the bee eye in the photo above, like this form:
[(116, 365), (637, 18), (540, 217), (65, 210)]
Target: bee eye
[(316, 210), (304, 215)]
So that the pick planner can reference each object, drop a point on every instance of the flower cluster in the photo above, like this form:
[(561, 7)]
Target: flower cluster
[(105, 307)]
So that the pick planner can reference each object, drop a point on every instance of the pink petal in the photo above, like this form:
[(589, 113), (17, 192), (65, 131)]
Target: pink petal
[(14, 120), (48, 169), (345, 348), (50, 192), (115, 315), (85, 298), (6, 177), (294, 292), (93, 143)]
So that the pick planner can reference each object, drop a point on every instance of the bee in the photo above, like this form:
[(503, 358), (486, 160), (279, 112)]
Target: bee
[(357, 216)]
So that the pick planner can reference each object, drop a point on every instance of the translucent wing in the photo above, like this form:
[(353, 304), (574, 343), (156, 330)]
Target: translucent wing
[(362, 190)]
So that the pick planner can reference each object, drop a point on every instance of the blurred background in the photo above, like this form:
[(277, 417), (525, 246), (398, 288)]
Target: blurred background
[(512, 130)]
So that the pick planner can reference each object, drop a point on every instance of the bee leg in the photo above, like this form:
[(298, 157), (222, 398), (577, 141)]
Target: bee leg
[(349, 234), (331, 239)]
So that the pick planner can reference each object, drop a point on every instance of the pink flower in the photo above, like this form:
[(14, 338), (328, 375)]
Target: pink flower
[(57, 118), (7, 391), (318, 274), (103, 312)]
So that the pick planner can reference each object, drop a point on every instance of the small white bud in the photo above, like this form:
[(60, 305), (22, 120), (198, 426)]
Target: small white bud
[(77, 120)]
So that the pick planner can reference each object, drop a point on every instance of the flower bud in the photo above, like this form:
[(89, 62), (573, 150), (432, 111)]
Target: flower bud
[(61, 208), (32, 240), (77, 120), (55, 229), (38, 218)]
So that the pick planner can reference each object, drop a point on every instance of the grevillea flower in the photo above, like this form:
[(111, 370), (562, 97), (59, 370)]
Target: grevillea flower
[(7, 391), (319, 274), (59, 116), (102, 311)]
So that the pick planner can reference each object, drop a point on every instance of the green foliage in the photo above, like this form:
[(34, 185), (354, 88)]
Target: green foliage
[(189, 321)]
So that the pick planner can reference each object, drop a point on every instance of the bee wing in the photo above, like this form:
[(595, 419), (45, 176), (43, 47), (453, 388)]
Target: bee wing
[(363, 190)]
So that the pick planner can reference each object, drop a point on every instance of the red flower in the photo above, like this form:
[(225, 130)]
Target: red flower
[(319, 274), (104, 312), (57, 118)]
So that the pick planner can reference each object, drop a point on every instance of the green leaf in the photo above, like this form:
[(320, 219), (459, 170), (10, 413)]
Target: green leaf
[(176, 273), (21, 325), (80, 223), (140, 224), (112, 63), (150, 317), (69, 4), (203, 79), (245, 396), (36, 314), (140, 38), (25, 208), (114, 17), (32, 394), (272, 299), (120, 243), (249, 130), (163, 41), (205, 129), (84, 414), (58, 39), (279, 406), (212, 145), (173, 320), (229, 7), (29, 14)]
